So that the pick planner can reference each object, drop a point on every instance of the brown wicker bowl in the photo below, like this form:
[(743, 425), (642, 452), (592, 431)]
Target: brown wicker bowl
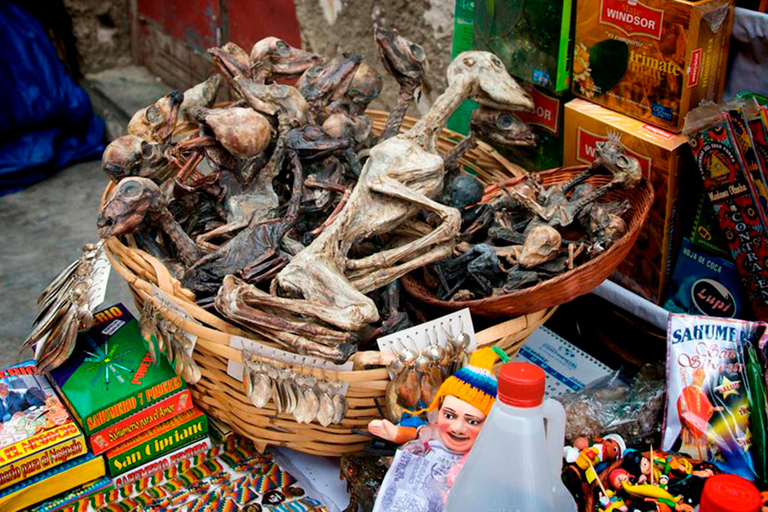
[(223, 397), (566, 286)]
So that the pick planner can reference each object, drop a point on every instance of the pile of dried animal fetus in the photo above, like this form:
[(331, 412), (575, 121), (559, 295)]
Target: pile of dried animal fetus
[(283, 210), (527, 233)]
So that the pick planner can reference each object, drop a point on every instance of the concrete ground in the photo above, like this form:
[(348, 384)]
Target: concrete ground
[(43, 230), (45, 226)]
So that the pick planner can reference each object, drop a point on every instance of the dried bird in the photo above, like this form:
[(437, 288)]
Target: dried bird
[(64, 309)]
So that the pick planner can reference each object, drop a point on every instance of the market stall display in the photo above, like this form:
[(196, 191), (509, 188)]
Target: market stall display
[(268, 239)]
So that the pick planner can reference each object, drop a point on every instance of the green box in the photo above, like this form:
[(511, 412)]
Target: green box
[(463, 27), (533, 38), (110, 375)]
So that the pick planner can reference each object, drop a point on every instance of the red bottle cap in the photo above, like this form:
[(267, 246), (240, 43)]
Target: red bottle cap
[(729, 493), (521, 384)]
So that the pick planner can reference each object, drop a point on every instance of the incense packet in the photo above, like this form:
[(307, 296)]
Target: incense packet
[(708, 405), (725, 182)]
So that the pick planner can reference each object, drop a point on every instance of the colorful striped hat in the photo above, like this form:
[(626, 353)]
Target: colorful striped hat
[(475, 383)]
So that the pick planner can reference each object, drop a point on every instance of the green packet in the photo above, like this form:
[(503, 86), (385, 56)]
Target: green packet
[(110, 375)]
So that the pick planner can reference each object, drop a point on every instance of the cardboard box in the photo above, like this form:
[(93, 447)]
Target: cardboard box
[(179, 431), (652, 59), (463, 30), (662, 155), (162, 463), (547, 123), (110, 376), (37, 433), (531, 37)]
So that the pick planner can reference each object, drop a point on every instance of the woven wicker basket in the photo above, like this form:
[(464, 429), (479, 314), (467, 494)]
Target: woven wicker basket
[(223, 397), (566, 286)]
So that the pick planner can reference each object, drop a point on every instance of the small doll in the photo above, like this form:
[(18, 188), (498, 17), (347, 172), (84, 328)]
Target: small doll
[(595, 457), (638, 465), (462, 404)]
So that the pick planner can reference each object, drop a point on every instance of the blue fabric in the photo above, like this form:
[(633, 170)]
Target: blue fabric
[(46, 119)]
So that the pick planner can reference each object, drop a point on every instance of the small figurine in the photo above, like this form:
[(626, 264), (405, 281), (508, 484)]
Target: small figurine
[(462, 402), (597, 456), (638, 465)]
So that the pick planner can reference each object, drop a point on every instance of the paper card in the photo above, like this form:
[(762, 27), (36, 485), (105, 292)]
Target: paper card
[(167, 303), (567, 367), (235, 369), (418, 337), (98, 290)]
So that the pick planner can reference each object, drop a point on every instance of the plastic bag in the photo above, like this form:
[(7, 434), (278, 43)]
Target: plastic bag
[(46, 120), (710, 396), (630, 406)]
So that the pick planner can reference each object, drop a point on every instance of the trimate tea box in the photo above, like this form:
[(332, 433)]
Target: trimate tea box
[(111, 380), (653, 60), (175, 433), (36, 431), (662, 155), (531, 37)]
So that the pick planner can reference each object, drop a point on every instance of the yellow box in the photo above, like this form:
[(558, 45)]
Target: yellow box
[(653, 60), (662, 155)]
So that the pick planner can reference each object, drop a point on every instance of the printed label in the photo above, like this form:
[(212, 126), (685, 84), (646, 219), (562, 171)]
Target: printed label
[(694, 70), (586, 150), (546, 114), (661, 112), (657, 131), (632, 18), (713, 299)]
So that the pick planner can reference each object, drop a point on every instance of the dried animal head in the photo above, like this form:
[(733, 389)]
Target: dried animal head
[(242, 131), (488, 81), (542, 244), (130, 156), (235, 57), (311, 142), (358, 128), (132, 200), (156, 122), (404, 60), (329, 80), (626, 170), (501, 127), (275, 59), (365, 87), (202, 95)]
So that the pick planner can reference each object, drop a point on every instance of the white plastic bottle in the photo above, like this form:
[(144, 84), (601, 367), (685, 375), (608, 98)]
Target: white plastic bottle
[(516, 462)]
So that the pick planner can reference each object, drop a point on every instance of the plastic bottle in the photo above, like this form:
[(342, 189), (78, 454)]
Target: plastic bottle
[(729, 493), (515, 463)]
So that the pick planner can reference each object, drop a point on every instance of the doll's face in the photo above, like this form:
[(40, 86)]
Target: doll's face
[(645, 466), (611, 449), (458, 424)]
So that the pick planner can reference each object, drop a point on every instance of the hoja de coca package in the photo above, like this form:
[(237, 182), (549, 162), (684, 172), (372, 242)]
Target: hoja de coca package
[(708, 391), (652, 59), (662, 156), (733, 197)]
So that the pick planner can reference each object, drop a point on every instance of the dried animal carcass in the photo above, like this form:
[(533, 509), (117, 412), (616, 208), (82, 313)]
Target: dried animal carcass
[(400, 179)]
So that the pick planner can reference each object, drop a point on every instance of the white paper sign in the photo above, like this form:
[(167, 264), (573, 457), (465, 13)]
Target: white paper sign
[(418, 337), (235, 369), (98, 290)]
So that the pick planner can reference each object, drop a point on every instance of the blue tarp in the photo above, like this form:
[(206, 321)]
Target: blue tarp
[(46, 119)]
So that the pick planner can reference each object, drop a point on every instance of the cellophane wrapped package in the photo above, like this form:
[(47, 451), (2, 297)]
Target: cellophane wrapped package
[(709, 395)]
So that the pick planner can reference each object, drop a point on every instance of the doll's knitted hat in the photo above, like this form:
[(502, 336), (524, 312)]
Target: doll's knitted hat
[(475, 383)]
